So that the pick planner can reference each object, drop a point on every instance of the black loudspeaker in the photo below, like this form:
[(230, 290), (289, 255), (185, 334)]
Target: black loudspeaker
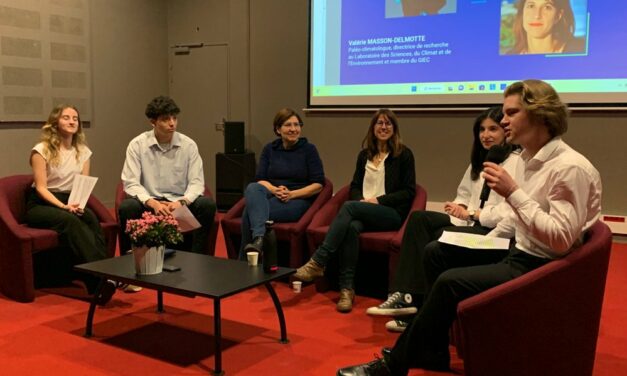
[(234, 137), (233, 173)]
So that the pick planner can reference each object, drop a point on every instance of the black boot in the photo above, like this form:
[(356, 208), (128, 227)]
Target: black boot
[(255, 246)]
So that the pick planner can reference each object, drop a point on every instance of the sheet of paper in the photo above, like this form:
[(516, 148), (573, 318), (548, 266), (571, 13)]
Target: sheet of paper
[(473, 241), (187, 221), (81, 189)]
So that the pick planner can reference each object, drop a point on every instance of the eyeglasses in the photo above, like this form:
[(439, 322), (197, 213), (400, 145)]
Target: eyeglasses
[(381, 123), (295, 124)]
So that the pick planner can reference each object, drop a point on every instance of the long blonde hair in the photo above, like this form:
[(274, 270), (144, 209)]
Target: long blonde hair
[(50, 135)]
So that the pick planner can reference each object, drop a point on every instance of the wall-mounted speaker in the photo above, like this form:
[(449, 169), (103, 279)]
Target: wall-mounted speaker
[(234, 137)]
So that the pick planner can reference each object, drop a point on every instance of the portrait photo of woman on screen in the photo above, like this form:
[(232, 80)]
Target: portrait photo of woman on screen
[(541, 27)]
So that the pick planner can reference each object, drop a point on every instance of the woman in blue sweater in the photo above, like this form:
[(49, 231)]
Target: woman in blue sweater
[(381, 194), (289, 176)]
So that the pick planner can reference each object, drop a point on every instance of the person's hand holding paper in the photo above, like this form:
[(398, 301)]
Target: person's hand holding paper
[(82, 187), (187, 221)]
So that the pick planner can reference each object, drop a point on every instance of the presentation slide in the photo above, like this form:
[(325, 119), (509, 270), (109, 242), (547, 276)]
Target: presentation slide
[(463, 53)]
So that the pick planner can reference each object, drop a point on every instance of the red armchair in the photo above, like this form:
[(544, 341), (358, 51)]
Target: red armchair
[(545, 322), (19, 243), (213, 232), (386, 243), (291, 238)]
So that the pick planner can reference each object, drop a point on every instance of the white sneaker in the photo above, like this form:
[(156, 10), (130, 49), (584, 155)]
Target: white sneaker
[(396, 325), (398, 304)]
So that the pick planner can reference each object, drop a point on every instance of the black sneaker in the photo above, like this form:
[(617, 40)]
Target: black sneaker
[(396, 325), (398, 304)]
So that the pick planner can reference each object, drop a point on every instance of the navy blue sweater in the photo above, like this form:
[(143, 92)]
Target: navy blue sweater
[(294, 168)]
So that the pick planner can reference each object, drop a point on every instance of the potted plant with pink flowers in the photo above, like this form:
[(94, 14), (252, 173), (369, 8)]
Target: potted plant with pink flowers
[(149, 235)]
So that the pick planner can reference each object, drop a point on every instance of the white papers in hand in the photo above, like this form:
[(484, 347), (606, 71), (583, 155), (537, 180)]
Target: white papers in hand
[(473, 241), (187, 221), (81, 189)]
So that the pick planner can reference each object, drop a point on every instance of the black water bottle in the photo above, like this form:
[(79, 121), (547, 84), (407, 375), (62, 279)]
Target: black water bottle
[(269, 249)]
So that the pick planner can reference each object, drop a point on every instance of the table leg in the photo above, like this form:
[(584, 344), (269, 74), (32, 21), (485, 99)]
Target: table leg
[(92, 308), (279, 312), (217, 325), (160, 301)]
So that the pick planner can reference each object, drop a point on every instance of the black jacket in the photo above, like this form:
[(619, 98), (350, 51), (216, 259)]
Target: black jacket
[(400, 181)]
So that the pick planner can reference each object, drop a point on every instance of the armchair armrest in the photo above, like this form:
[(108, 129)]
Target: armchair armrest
[(235, 211), (100, 210), (319, 204), (419, 203), (329, 210)]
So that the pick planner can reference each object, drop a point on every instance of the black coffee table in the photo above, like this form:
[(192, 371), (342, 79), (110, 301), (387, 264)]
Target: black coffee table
[(200, 275)]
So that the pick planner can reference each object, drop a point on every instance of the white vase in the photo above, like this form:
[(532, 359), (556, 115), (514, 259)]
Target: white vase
[(148, 260)]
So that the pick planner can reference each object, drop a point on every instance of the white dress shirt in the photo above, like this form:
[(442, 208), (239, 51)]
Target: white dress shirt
[(495, 207), (558, 199), (151, 171)]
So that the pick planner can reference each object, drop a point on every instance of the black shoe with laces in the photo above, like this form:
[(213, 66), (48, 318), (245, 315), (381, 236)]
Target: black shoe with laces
[(377, 367), (397, 325), (398, 304)]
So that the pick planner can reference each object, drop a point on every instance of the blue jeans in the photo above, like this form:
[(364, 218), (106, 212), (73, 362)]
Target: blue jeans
[(343, 236), (262, 205)]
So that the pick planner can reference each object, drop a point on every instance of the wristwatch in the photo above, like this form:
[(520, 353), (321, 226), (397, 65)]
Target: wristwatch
[(471, 214), (183, 202)]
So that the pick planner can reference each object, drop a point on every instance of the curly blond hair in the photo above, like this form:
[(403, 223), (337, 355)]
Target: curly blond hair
[(50, 135), (542, 104)]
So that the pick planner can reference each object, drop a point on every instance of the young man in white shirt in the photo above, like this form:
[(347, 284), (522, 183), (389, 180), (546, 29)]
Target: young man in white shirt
[(557, 198), (162, 172)]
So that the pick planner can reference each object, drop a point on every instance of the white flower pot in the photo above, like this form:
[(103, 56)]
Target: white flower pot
[(148, 260)]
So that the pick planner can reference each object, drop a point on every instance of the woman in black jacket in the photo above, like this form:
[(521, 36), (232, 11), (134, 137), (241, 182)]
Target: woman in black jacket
[(381, 194)]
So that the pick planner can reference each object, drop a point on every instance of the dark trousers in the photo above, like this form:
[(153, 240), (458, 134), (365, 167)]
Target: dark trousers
[(452, 275), (203, 208), (261, 205), (80, 235), (343, 236), (422, 228)]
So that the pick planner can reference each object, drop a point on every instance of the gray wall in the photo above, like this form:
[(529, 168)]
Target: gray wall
[(130, 66), (268, 42)]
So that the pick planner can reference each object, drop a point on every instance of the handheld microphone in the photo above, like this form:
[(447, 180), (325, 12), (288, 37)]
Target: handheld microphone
[(497, 154)]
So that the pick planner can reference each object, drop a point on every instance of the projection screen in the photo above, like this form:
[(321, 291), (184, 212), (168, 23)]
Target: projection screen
[(463, 53)]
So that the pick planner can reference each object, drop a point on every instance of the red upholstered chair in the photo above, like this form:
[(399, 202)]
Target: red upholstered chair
[(383, 243), (292, 243), (545, 322), (213, 232), (19, 243)]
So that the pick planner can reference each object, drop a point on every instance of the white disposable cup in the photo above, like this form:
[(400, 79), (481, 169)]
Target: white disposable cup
[(253, 257), (297, 285)]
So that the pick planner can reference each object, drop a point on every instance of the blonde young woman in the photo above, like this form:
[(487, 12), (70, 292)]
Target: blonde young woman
[(56, 160)]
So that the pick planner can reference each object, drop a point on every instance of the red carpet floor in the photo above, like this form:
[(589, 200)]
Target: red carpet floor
[(46, 337)]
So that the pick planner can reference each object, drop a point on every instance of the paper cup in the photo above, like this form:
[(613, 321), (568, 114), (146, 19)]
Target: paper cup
[(297, 285), (253, 257)]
